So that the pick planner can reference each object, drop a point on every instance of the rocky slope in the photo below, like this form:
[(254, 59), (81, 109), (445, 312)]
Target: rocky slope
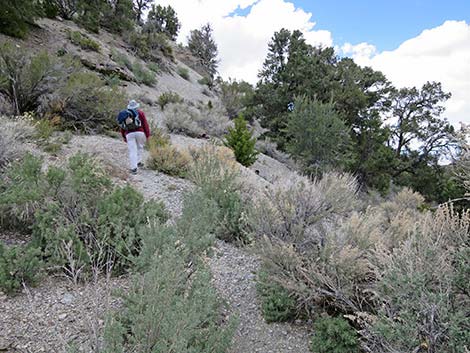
[(58, 315)]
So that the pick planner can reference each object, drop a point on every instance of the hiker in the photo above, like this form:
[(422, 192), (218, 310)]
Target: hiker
[(135, 131)]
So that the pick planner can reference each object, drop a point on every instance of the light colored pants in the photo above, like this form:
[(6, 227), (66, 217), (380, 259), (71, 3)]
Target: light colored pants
[(135, 145)]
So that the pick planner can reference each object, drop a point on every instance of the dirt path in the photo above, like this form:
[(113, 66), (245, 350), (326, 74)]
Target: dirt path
[(234, 272)]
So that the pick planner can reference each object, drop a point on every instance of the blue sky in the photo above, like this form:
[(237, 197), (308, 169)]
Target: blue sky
[(384, 24), (410, 41)]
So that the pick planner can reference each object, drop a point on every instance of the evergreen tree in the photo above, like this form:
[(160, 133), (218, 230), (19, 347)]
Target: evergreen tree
[(240, 139), (90, 13), (119, 16), (318, 136), (139, 7), (203, 47), (162, 20), (16, 16)]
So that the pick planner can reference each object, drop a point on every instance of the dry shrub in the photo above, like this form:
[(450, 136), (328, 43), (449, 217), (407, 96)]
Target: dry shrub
[(424, 288), (269, 148), (196, 121), (213, 165), (400, 275), (294, 207), (14, 133), (169, 160)]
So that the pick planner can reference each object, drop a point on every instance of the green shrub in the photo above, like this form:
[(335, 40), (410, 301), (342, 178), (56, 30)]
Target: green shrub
[(206, 81), (85, 223), (334, 335), (18, 265), (121, 59), (215, 172), (276, 303), (25, 78), (86, 104), (167, 98), (44, 129), (83, 41), (242, 142), (154, 67), (183, 72), (167, 310), (143, 75), (172, 306), (158, 139), (148, 44), (22, 192)]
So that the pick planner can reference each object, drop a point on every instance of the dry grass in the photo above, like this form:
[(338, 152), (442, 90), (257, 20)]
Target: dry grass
[(15, 132)]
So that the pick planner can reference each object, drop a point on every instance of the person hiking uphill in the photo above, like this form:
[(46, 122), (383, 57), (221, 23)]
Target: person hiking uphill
[(135, 131)]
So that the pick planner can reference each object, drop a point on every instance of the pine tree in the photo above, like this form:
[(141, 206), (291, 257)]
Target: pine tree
[(203, 47), (16, 16), (240, 139)]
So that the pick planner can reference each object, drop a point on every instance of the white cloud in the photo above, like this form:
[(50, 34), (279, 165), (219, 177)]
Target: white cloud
[(243, 40), (439, 54)]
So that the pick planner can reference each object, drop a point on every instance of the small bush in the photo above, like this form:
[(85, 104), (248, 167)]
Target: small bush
[(294, 207), (172, 306), (86, 104), (242, 142), (85, 223), (216, 173), (167, 159), (183, 72), (334, 335), (121, 59), (158, 139), (18, 266), (22, 191), (143, 75), (16, 17), (154, 67), (206, 81), (83, 41), (147, 45), (25, 78), (44, 129), (276, 304), (196, 122), (167, 98)]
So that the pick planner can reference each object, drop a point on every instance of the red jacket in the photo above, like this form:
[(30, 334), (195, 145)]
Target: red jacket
[(144, 128)]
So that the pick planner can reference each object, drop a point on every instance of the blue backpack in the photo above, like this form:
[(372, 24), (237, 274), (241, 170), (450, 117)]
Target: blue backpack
[(129, 120)]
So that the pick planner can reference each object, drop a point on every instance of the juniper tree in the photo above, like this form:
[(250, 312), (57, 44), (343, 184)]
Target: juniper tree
[(240, 139)]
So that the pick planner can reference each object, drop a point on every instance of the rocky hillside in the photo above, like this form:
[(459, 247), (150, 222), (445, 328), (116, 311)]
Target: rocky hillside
[(58, 314)]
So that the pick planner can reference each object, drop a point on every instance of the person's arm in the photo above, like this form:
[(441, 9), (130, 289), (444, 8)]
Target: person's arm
[(123, 133), (145, 124)]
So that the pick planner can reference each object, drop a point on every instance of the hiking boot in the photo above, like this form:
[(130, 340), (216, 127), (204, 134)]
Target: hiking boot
[(140, 165), (133, 171)]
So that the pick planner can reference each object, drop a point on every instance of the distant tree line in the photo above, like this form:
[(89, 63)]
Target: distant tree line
[(330, 113)]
